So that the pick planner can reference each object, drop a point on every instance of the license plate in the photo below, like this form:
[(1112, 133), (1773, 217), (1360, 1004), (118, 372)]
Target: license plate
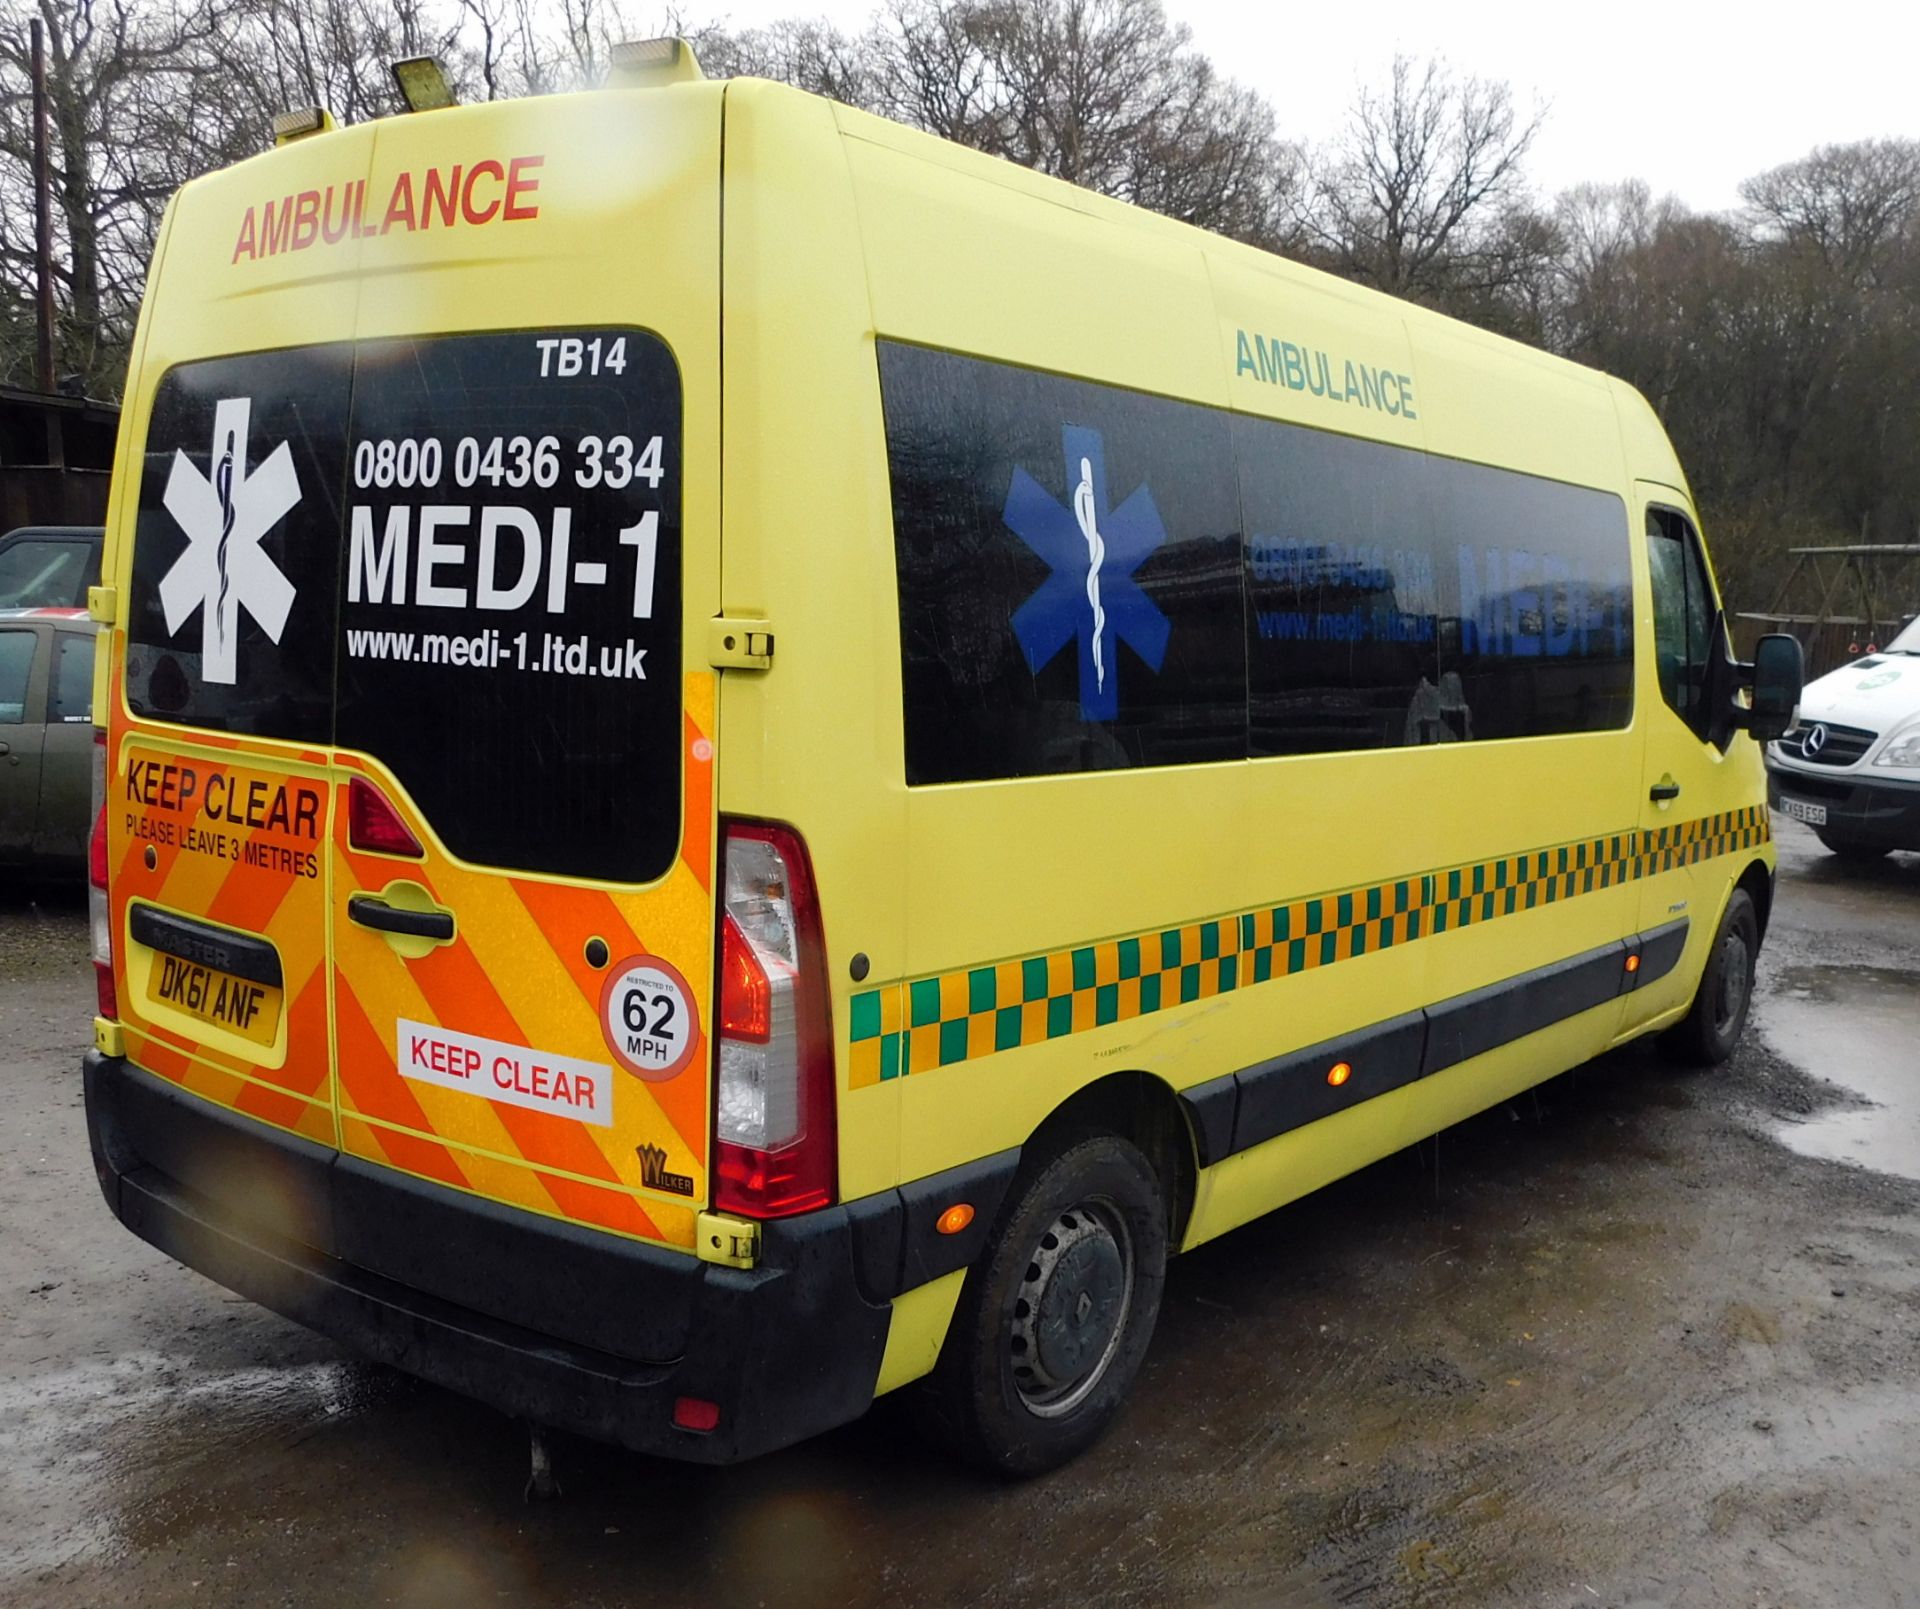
[(219, 999), (1814, 815)]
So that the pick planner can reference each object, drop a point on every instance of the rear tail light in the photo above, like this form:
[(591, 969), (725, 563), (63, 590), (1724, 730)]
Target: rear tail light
[(774, 1125), (696, 1413), (98, 916)]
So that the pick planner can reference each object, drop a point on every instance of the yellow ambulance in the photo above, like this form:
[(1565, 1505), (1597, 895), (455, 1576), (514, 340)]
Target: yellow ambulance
[(748, 759)]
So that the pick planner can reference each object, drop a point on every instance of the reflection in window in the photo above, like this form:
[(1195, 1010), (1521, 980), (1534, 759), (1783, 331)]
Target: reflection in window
[(16, 667), (43, 575)]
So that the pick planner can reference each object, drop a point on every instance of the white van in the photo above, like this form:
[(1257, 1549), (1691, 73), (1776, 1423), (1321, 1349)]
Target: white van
[(1850, 768)]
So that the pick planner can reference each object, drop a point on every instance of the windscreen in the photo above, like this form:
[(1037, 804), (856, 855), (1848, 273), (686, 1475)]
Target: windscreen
[(458, 554)]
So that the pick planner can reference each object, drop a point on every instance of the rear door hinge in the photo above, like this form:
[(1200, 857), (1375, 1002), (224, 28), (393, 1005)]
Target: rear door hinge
[(103, 604), (740, 644)]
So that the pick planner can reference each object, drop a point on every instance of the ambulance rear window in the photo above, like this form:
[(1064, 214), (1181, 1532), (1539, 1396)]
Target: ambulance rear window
[(459, 555)]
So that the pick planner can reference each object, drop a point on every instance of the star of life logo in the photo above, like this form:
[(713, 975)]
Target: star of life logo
[(1093, 549), (224, 516)]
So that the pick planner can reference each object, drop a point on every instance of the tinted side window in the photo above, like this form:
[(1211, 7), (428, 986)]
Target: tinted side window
[(16, 670), (1683, 612), (1092, 578), (71, 698), (1400, 599), (1539, 577), (1069, 563), (1344, 611)]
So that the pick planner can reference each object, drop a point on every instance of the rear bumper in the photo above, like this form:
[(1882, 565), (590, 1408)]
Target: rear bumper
[(1883, 814), (581, 1331)]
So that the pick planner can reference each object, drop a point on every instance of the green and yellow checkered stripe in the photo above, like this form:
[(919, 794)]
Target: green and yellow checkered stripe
[(923, 1023)]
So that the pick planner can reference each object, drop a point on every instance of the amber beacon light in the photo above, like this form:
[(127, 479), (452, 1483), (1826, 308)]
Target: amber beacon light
[(423, 84)]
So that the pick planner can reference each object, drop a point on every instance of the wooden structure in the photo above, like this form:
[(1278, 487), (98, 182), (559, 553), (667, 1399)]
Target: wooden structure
[(56, 456), (1860, 595)]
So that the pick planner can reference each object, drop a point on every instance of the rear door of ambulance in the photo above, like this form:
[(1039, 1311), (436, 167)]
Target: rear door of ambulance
[(417, 734)]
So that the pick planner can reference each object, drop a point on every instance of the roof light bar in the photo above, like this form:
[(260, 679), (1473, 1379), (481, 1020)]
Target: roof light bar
[(423, 84)]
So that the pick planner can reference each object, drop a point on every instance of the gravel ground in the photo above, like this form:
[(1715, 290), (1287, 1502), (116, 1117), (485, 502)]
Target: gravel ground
[(1636, 1339)]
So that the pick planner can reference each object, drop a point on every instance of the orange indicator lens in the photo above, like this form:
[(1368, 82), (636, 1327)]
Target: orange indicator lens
[(1633, 963), (954, 1219), (1339, 1073)]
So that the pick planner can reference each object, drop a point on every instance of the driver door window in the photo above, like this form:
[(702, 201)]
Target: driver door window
[(1683, 617)]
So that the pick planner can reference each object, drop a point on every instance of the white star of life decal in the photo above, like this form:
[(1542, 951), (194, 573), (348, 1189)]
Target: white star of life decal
[(224, 517)]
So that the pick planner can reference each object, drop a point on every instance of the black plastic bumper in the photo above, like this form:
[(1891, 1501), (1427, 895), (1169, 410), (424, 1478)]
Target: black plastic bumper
[(1880, 814), (570, 1328)]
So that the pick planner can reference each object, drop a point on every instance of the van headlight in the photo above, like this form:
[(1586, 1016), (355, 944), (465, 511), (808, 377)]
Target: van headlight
[(1903, 753)]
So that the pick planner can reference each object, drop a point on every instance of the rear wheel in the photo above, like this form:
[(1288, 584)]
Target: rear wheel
[(1851, 849), (1055, 1318), (1712, 1026)]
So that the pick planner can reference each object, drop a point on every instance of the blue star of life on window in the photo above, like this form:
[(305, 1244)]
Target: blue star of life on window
[(1092, 549)]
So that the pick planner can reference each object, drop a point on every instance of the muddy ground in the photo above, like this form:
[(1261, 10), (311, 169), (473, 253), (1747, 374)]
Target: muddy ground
[(1644, 1338)]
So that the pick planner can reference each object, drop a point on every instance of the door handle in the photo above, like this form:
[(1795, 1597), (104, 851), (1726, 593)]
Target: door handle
[(6, 748), (375, 913), (1666, 788)]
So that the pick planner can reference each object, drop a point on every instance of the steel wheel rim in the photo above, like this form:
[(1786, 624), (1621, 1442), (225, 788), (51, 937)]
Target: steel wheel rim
[(1084, 1278), (1736, 966)]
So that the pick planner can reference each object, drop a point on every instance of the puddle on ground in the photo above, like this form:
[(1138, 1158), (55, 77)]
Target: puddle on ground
[(1858, 1027)]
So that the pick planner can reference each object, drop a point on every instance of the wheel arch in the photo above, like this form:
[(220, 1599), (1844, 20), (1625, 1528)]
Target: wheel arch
[(1143, 1109), (1757, 880)]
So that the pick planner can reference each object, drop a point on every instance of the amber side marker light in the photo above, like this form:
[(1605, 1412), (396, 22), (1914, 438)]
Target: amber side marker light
[(1339, 1073), (954, 1219), (1633, 963)]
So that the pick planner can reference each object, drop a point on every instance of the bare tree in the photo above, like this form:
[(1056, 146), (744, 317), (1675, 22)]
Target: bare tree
[(1413, 196), (1851, 205), (1104, 93), (124, 85), (811, 55)]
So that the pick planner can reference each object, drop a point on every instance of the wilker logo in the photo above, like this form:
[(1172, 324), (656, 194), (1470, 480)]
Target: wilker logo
[(654, 1175), (224, 518)]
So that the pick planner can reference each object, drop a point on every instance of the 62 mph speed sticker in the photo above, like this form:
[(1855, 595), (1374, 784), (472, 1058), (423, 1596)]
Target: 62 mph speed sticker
[(648, 1015)]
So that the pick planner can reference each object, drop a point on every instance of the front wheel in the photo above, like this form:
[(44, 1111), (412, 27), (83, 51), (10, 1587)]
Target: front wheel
[(1712, 1026), (1055, 1318)]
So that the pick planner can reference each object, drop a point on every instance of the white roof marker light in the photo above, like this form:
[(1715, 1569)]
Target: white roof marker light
[(301, 121), (641, 63)]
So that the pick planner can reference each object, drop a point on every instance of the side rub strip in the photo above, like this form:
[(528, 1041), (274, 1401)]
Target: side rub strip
[(1258, 1103)]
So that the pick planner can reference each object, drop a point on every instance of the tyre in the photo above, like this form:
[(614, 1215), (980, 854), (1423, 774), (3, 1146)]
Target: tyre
[(1054, 1319), (1849, 849), (1705, 1037)]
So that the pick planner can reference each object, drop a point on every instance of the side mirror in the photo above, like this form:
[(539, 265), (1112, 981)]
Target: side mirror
[(1776, 675)]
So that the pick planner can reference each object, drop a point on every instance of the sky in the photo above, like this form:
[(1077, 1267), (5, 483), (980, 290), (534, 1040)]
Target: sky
[(1690, 97)]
